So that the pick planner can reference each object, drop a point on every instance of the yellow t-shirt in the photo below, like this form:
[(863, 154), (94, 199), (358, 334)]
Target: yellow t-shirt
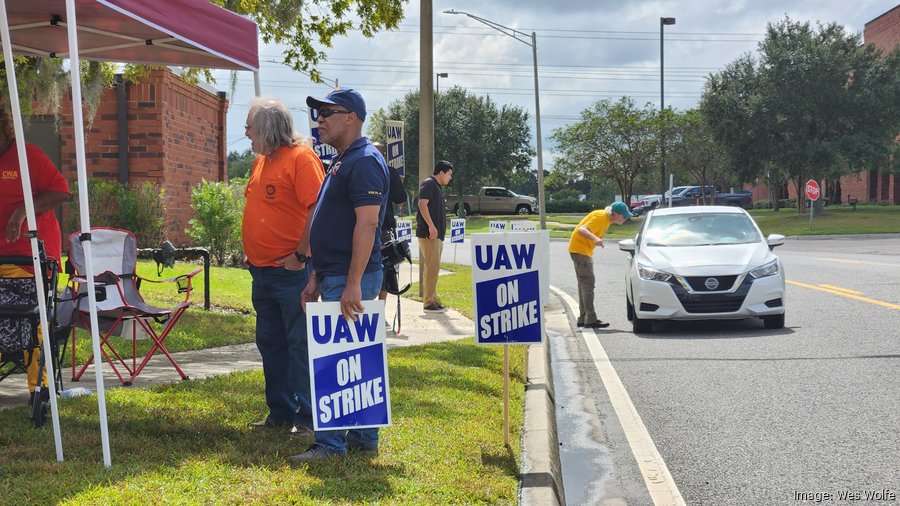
[(598, 223)]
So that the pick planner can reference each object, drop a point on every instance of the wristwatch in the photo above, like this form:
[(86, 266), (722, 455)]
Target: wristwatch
[(301, 257)]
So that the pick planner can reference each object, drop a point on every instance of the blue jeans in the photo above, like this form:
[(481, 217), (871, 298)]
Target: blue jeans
[(331, 288), (282, 342)]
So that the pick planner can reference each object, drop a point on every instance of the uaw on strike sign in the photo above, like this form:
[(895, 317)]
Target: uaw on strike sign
[(507, 282), (348, 367)]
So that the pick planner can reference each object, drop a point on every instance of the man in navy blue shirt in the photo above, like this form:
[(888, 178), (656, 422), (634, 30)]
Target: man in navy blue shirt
[(345, 238)]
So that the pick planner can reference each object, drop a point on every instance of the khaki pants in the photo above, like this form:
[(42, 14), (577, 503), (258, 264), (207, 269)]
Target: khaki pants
[(430, 256), (14, 271), (584, 274)]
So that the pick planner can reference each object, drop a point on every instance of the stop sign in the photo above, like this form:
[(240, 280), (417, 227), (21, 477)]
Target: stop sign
[(812, 190)]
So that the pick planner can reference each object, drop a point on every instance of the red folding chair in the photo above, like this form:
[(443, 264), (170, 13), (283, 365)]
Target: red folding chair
[(123, 312)]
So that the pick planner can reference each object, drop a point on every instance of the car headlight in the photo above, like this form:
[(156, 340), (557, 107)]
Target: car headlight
[(653, 274), (770, 269)]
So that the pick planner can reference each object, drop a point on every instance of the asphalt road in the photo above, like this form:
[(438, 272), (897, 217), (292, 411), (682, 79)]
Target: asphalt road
[(741, 414)]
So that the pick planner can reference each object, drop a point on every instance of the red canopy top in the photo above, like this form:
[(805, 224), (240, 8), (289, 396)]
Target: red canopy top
[(190, 33)]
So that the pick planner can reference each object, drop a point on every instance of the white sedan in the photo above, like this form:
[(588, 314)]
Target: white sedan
[(703, 263)]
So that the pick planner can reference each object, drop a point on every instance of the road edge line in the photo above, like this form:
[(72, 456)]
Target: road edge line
[(660, 484)]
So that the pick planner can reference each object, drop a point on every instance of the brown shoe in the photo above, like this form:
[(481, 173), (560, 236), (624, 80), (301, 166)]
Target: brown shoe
[(300, 432), (596, 325)]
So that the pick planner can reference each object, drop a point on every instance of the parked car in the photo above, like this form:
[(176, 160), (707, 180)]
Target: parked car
[(495, 200), (692, 195), (703, 263), (645, 207)]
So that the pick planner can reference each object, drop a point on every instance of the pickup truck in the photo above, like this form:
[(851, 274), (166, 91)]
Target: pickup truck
[(495, 200), (691, 195)]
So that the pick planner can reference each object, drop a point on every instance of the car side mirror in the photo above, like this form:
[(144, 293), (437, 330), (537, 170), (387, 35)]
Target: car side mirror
[(774, 240), (627, 245)]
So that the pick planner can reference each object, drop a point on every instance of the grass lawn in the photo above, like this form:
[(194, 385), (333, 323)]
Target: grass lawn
[(837, 220), (188, 443)]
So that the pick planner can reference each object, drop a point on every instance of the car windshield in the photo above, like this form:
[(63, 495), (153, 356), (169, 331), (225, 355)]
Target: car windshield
[(700, 229)]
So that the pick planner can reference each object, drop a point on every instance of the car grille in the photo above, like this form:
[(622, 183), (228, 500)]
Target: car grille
[(723, 283), (721, 302)]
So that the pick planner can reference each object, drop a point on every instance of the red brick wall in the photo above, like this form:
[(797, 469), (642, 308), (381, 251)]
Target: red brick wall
[(175, 138), (884, 31)]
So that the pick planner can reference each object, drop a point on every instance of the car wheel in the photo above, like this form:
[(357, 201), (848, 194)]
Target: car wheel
[(456, 209), (467, 209), (629, 309), (523, 210), (639, 326), (774, 321)]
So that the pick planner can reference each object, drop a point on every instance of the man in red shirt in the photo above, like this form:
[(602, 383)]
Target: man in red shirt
[(49, 190)]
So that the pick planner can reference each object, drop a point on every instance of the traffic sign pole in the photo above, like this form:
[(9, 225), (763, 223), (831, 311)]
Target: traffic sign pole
[(812, 193)]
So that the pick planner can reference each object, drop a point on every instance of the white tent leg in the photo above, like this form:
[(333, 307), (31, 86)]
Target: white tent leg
[(32, 225), (78, 121), (256, 85)]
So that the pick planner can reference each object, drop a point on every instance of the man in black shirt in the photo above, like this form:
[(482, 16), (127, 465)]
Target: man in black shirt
[(431, 223)]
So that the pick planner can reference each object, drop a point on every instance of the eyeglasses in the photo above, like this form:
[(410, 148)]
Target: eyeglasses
[(327, 113), (248, 127)]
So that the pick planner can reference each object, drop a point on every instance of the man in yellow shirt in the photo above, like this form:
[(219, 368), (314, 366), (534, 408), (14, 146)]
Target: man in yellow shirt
[(587, 235)]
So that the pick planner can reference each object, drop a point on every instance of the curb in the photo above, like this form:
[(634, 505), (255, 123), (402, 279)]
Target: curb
[(541, 480)]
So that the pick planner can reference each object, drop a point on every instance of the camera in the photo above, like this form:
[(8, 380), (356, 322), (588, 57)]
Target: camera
[(393, 253)]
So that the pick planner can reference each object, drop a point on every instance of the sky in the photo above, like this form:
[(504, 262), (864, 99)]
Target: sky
[(587, 50)]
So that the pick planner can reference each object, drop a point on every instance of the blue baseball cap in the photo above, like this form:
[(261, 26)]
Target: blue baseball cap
[(621, 208), (347, 98)]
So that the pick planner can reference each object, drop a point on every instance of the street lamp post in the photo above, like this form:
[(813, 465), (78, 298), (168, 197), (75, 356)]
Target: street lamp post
[(662, 106), (437, 81), (522, 37)]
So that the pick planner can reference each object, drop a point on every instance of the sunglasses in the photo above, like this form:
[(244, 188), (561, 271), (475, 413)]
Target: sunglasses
[(327, 113)]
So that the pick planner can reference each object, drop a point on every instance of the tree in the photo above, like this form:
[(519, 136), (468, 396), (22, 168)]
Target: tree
[(239, 164), (614, 141), (815, 104), (487, 144), (694, 150), (303, 27)]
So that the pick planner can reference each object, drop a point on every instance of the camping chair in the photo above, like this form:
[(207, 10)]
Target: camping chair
[(123, 312), (19, 321)]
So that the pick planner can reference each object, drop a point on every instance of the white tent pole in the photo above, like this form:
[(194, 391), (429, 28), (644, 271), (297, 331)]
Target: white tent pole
[(78, 123), (31, 220), (256, 85)]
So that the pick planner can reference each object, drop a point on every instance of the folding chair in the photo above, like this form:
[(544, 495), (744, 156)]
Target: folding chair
[(19, 322), (123, 312)]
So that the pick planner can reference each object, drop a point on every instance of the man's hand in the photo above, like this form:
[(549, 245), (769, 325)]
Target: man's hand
[(14, 226), (311, 292), (599, 242), (351, 301), (291, 263), (432, 232)]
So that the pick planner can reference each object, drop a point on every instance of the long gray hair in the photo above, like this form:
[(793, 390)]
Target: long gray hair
[(272, 120)]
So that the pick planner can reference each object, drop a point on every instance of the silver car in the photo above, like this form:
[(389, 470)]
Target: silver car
[(703, 263)]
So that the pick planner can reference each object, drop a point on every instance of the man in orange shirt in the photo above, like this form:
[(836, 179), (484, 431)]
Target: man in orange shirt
[(281, 195), (587, 235)]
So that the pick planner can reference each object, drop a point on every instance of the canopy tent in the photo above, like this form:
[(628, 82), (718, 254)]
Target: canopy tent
[(192, 33)]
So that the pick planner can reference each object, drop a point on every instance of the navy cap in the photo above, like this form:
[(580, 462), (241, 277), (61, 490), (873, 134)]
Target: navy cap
[(347, 98), (621, 208)]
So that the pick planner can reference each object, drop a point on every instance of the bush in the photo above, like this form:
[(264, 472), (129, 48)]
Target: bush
[(216, 225), (571, 206), (139, 208)]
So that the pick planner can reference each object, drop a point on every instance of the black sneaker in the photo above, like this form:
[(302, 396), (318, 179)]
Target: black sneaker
[(434, 308), (315, 453), (596, 325)]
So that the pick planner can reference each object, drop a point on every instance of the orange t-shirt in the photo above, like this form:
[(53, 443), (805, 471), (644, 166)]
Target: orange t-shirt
[(598, 223), (281, 189)]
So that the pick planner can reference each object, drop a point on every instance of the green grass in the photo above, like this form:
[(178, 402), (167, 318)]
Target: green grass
[(188, 443), (454, 290), (838, 220), (230, 321)]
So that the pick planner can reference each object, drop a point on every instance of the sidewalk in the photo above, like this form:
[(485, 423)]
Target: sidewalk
[(416, 327)]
